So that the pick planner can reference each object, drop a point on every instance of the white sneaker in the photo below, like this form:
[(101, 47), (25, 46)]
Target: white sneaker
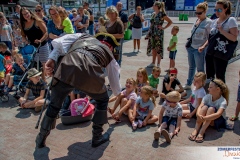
[(139, 51), (158, 65), (140, 123), (186, 87), (134, 50), (134, 125), (151, 65)]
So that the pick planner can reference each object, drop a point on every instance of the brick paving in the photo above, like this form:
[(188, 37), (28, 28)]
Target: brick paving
[(17, 134)]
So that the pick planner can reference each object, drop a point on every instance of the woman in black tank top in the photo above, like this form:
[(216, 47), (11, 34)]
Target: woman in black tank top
[(34, 31)]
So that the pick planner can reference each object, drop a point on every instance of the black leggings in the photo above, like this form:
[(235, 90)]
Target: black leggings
[(215, 66)]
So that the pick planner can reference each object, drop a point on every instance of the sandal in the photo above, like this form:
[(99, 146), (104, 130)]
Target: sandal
[(109, 110), (233, 118), (199, 139), (192, 137)]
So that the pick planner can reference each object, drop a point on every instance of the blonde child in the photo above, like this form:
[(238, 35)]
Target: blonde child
[(235, 117), (66, 22), (170, 82), (101, 26), (18, 40), (141, 114), (142, 79), (170, 116), (126, 100), (212, 110), (191, 104), (172, 48), (154, 80)]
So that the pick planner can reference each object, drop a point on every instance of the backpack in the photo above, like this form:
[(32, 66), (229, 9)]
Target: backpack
[(81, 106)]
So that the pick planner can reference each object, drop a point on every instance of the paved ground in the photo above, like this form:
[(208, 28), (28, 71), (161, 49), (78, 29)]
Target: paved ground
[(17, 132)]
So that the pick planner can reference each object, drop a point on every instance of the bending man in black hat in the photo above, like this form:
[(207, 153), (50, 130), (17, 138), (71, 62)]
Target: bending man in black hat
[(81, 68)]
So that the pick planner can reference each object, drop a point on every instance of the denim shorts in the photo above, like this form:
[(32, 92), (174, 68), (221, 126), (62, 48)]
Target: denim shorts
[(220, 122), (172, 54), (169, 121), (238, 95)]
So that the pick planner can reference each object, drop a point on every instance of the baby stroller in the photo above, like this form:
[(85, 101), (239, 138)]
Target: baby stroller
[(3, 96), (28, 52)]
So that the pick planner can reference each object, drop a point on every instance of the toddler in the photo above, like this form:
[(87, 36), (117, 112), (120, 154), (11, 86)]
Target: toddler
[(172, 48), (170, 117), (142, 79), (154, 80), (141, 114), (191, 104), (101, 25), (66, 22)]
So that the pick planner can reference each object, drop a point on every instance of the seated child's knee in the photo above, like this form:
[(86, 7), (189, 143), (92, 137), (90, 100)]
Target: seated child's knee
[(164, 125), (211, 109)]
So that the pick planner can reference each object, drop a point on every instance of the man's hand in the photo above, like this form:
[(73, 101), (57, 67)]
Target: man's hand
[(49, 67)]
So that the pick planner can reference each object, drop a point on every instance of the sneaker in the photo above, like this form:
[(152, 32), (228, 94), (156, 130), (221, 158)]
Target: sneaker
[(151, 65), (139, 51), (166, 135), (140, 123), (134, 50), (158, 65), (157, 135), (134, 125), (186, 87)]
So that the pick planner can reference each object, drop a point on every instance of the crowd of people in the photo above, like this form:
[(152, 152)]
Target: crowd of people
[(138, 99)]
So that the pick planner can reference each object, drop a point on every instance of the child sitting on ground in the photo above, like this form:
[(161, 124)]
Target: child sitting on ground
[(38, 88), (126, 100), (66, 22), (235, 117), (142, 79), (141, 114), (212, 110), (4, 50), (169, 84), (172, 48), (154, 80), (18, 70), (191, 104), (2, 69), (170, 117)]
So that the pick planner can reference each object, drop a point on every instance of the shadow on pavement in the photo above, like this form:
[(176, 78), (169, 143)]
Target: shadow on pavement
[(130, 54), (25, 113), (41, 153), (155, 144), (190, 122), (213, 134), (61, 126)]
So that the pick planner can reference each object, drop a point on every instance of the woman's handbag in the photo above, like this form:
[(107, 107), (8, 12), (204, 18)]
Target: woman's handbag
[(130, 27), (221, 47)]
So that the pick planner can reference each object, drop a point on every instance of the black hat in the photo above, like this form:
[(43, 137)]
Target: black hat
[(107, 39)]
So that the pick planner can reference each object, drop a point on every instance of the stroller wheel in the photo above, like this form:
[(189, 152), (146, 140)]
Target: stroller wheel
[(22, 89), (5, 98)]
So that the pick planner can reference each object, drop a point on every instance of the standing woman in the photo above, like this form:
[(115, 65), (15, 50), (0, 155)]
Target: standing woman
[(54, 27), (40, 13), (157, 32), (81, 23), (6, 32), (34, 31), (136, 19), (197, 52), (228, 27)]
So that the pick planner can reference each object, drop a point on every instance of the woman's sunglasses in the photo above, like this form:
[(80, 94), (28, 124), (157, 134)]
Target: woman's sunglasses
[(37, 10), (198, 13), (219, 10)]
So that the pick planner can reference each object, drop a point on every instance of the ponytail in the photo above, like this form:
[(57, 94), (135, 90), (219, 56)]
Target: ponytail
[(226, 5), (153, 99)]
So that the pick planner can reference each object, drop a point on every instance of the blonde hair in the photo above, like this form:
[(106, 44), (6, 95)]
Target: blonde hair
[(143, 71), (226, 4), (156, 69), (111, 9), (149, 91), (86, 13), (101, 20), (134, 83), (176, 28), (18, 56), (223, 87), (174, 96), (160, 5), (202, 76), (203, 6), (63, 11)]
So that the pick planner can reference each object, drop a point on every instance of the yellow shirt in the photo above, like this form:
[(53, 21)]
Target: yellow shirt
[(67, 24)]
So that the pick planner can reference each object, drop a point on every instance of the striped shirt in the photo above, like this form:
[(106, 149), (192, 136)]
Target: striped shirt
[(36, 88)]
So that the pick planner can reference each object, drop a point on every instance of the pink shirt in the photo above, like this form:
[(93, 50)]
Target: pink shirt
[(132, 96)]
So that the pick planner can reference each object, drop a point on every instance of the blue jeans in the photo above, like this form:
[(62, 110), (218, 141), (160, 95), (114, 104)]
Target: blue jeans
[(195, 60), (91, 29), (120, 52)]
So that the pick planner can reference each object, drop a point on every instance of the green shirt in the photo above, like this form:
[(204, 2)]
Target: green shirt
[(67, 24), (153, 82), (172, 40)]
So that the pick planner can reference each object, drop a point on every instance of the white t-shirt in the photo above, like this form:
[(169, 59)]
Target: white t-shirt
[(219, 103), (144, 107), (172, 112), (199, 93), (231, 23)]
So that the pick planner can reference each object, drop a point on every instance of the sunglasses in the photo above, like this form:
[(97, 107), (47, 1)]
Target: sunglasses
[(219, 10), (198, 13), (38, 10), (170, 101)]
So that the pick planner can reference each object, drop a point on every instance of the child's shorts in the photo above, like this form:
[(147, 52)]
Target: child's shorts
[(169, 121), (172, 54), (2, 74), (220, 122), (238, 97), (191, 108)]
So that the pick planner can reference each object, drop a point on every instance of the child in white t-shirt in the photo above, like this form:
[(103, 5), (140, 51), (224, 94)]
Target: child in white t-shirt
[(191, 104)]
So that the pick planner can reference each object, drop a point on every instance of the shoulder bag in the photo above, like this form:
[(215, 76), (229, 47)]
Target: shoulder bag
[(189, 40)]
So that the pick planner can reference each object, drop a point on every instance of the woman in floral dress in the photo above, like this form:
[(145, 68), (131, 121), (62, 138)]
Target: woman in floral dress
[(156, 32)]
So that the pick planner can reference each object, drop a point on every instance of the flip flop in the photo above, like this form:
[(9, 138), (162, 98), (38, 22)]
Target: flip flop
[(192, 137), (233, 118), (201, 140), (156, 135)]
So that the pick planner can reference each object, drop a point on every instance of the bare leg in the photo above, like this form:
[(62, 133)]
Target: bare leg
[(134, 43), (154, 55), (152, 120), (7, 79), (116, 104), (172, 63), (130, 115), (185, 109), (123, 108), (10, 84), (138, 43), (171, 130), (158, 59), (72, 96)]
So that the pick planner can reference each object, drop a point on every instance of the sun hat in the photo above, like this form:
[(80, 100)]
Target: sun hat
[(33, 73)]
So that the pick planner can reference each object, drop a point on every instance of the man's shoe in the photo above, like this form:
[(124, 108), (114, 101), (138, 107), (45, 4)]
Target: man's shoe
[(186, 87)]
